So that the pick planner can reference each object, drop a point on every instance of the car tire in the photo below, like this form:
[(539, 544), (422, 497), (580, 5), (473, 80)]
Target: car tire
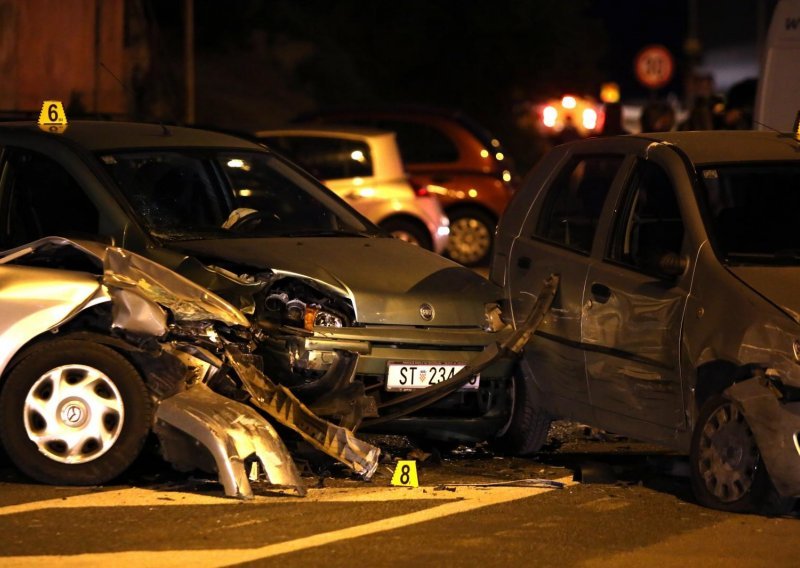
[(471, 236), (727, 472), (526, 431), (74, 412), (408, 231)]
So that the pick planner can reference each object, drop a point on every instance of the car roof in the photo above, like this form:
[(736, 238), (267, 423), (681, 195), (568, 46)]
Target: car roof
[(724, 146), (106, 135), (328, 130), (404, 112), (387, 163)]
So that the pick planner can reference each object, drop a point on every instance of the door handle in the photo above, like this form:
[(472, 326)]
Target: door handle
[(524, 262), (601, 293)]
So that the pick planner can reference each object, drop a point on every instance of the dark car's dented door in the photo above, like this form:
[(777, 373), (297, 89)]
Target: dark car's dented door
[(557, 237), (632, 313)]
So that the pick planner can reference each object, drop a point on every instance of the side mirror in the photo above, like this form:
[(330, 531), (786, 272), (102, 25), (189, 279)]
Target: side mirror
[(672, 264)]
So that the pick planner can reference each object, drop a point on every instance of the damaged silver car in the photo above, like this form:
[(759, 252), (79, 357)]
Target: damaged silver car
[(101, 345), (677, 319)]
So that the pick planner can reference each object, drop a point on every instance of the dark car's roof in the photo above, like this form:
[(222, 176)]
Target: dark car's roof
[(722, 146), (103, 135)]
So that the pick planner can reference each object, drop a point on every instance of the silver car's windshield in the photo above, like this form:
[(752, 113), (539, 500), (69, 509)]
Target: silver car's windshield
[(753, 212), (188, 194)]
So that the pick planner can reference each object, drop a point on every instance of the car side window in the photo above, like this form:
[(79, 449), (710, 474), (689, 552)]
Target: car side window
[(323, 157), (42, 199), (575, 200), (649, 223), (421, 143)]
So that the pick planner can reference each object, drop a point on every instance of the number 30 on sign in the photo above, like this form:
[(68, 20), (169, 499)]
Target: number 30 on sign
[(405, 474)]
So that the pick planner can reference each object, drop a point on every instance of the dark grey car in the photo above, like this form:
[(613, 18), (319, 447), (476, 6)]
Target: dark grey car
[(677, 319), (323, 272)]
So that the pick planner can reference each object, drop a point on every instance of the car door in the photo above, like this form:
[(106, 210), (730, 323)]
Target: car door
[(632, 311), (557, 237), (41, 198)]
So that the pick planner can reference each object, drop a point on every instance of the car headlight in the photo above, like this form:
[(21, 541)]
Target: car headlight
[(285, 307), (315, 316), (327, 319)]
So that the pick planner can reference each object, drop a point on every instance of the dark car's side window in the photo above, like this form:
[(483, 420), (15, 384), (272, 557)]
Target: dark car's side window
[(41, 198), (575, 200), (649, 223), (324, 157)]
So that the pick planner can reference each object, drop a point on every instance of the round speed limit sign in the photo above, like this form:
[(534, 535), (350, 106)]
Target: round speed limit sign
[(654, 66)]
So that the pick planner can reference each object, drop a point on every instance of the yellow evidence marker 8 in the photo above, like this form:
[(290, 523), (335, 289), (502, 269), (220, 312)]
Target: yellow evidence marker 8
[(405, 474), (52, 117)]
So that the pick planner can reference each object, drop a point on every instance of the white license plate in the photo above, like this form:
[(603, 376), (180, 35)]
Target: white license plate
[(407, 376)]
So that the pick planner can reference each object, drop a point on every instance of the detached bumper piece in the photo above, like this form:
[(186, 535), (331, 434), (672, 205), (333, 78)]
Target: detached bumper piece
[(776, 426), (235, 435), (277, 401)]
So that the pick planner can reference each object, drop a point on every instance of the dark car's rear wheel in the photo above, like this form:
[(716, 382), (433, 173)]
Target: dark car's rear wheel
[(726, 467), (74, 412), (471, 236)]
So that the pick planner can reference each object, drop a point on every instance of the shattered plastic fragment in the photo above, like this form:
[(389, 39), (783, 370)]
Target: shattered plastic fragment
[(281, 404)]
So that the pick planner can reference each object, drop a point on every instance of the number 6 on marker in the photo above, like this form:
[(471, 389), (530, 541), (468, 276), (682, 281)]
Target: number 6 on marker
[(52, 113)]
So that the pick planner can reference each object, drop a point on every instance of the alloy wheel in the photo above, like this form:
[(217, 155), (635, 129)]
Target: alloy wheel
[(74, 414)]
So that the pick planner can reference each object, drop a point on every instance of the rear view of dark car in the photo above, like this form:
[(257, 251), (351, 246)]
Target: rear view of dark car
[(449, 154)]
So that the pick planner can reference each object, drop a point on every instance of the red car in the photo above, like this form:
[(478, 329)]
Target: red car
[(452, 156)]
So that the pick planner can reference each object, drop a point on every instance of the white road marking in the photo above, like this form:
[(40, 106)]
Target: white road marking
[(136, 497), (467, 499)]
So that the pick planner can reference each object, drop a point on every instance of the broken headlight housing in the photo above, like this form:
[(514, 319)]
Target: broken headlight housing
[(296, 304)]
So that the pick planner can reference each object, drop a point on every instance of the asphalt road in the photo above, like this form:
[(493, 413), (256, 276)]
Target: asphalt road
[(630, 506)]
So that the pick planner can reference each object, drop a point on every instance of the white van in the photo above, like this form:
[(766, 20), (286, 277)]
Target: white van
[(778, 96)]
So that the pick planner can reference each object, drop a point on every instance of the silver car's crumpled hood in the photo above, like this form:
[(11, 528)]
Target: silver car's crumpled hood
[(387, 279), (779, 284)]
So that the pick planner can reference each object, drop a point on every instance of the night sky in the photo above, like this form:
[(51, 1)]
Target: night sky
[(261, 63), (524, 41)]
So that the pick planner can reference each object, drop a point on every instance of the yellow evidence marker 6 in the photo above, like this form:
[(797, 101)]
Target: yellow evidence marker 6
[(52, 117), (405, 474)]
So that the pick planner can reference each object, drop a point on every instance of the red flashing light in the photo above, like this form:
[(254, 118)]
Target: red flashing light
[(420, 189)]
